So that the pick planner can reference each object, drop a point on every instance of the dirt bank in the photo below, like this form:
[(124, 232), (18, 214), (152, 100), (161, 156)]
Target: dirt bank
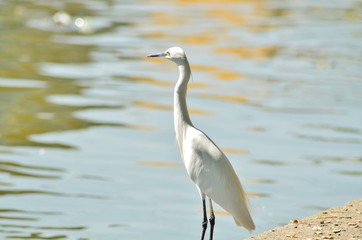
[(339, 223)]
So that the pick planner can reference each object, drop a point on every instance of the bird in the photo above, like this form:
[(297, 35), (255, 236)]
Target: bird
[(205, 163)]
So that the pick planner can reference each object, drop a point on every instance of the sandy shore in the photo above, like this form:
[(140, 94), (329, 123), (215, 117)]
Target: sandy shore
[(340, 223)]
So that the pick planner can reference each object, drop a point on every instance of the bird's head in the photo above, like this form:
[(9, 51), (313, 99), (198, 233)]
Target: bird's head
[(175, 54)]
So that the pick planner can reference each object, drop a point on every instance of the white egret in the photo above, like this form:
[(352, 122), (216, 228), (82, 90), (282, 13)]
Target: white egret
[(206, 164)]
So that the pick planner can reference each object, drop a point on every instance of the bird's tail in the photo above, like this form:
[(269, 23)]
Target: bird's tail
[(242, 214), (243, 219)]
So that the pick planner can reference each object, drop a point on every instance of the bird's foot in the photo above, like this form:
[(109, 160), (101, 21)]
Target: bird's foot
[(212, 224), (204, 227)]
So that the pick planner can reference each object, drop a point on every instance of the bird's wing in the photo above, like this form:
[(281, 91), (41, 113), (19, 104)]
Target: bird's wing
[(212, 172)]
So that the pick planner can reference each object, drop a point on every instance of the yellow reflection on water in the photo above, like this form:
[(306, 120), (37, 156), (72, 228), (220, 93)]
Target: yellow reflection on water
[(229, 75), (260, 181), (257, 53), (207, 68), (149, 80), (194, 85), (228, 15), (221, 73), (217, 1), (143, 127), (159, 164), (257, 194), (152, 105), (156, 34), (158, 106), (164, 18), (228, 98), (221, 213), (203, 38), (234, 151), (200, 112)]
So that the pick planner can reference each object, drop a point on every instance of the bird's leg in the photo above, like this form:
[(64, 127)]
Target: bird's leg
[(204, 222), (212, 220)]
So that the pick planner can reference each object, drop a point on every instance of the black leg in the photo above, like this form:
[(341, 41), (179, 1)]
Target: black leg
[(212, 220), (204, 222)]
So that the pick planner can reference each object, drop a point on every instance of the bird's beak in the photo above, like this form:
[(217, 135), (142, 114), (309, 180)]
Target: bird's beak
[(157, 55)]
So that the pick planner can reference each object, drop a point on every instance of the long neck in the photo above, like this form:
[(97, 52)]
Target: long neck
[(181, 115)]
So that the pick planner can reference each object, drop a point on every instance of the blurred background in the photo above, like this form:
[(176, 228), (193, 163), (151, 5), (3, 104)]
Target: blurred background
[(87, 147)]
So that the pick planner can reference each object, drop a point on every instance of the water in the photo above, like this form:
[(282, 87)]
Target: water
[(87, 142)]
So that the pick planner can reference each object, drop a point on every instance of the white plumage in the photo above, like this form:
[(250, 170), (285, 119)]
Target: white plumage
[(212, 172), (206, 164)]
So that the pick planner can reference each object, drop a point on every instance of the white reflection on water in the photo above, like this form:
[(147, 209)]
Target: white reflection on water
[(275, 83)]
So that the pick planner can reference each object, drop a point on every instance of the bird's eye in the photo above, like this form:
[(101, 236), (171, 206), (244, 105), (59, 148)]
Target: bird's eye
[(167, 53)]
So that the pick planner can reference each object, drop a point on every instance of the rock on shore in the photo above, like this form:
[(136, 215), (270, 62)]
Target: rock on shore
[(340, 223)]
